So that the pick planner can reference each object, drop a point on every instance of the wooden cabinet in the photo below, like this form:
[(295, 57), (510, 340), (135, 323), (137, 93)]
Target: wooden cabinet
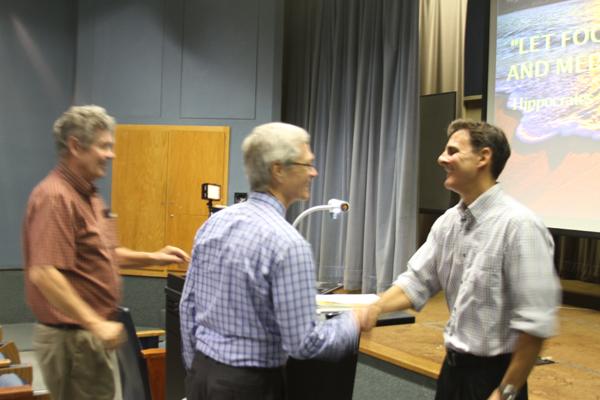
[(156, 187)]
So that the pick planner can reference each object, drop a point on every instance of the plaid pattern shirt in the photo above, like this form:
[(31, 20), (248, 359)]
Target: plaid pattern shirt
[(494, 260), (249, 294), (66, 225)]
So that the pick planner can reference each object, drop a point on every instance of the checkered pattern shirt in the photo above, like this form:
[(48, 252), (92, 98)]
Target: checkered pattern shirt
[(249, 294), (494, 260), (66, 225)]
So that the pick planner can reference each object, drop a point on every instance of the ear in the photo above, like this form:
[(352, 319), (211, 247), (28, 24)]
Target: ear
[(277, 172), (73, 146), (485, 157)]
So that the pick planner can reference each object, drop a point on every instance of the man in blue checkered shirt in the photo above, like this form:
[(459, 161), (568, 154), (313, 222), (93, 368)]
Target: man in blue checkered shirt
[(249, 297)]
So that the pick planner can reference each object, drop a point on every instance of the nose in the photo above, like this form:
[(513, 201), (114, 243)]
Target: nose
[(442, 159), (313, 172), (110, 154)]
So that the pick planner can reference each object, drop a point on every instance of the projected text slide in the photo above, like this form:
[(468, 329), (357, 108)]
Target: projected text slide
[(547, 99)]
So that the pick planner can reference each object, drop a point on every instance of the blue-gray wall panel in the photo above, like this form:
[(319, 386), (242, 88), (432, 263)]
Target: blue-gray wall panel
[(220, 41), (37, 53), (12, 298), (127, 59), (50, 54), (245, 52), (145, 297)]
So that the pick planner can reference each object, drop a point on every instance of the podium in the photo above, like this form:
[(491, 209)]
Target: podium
[(305, 379), (319, 379), (326, 380)]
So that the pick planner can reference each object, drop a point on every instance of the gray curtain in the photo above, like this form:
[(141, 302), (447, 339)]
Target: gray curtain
[(351, 79)]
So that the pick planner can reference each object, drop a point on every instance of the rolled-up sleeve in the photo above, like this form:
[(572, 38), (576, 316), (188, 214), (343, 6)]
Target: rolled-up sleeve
[(533, 284), (420, 281)]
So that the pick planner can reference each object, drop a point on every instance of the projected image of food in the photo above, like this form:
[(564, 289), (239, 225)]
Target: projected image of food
[(547, 99)]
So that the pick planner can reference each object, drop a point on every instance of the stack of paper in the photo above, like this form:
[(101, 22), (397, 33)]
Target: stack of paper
[(340, 302)]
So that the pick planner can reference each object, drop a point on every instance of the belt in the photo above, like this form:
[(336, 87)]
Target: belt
[(456, 359), (257, 369), (63, 326)]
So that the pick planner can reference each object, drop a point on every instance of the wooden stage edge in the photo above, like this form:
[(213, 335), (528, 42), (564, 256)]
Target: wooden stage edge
[(575, 374)]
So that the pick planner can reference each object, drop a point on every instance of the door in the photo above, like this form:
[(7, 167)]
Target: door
[(157, 177)]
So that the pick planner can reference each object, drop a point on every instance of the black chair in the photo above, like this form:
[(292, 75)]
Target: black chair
[(134, 372)]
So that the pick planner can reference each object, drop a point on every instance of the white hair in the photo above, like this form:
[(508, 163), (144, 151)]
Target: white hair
[(267, 144)]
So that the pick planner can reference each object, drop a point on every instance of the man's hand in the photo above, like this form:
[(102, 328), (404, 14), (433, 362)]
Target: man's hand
[(170, 255), (394, 299), (110, 333), (495, 395), (128, 258), (59, 292), (368, 317)]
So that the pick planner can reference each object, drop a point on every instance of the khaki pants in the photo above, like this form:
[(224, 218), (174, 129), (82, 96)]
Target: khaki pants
[(75, 365)]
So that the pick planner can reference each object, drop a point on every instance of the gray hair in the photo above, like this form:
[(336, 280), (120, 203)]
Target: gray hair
[(267, 144), (82, 122)]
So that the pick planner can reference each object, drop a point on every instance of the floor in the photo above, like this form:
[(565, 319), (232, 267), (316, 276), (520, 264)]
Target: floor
[(575, 352)]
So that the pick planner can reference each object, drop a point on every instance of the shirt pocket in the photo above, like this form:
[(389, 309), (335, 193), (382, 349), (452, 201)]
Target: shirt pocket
[(484, 278)]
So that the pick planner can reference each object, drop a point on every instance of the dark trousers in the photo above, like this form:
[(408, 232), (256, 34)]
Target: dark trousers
[(469, 377), (212, 380)]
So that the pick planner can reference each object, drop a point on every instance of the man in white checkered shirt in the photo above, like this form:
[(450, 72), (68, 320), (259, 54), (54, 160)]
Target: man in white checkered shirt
[(493, 258)]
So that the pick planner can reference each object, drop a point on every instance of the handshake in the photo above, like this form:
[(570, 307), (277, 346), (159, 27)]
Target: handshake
[(366, 317), (383, 310)]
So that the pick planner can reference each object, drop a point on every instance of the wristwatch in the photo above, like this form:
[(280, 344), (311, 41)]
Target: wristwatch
[(508, 392)]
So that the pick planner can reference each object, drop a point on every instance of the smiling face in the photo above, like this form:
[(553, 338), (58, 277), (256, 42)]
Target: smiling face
[(92, 161), (296, 177), (463, 165)]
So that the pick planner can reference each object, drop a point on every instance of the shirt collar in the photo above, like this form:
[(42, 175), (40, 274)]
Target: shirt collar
[(268, 199), (480, 205), (77, 181)]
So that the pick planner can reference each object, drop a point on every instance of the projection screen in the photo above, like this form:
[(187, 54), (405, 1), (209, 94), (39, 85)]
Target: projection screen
[(544, 91)]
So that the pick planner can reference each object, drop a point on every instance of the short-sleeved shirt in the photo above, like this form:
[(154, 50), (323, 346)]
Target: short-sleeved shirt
[(68, 226)]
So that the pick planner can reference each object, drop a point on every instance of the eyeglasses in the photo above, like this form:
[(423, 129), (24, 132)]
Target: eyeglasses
[(303, 164)]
